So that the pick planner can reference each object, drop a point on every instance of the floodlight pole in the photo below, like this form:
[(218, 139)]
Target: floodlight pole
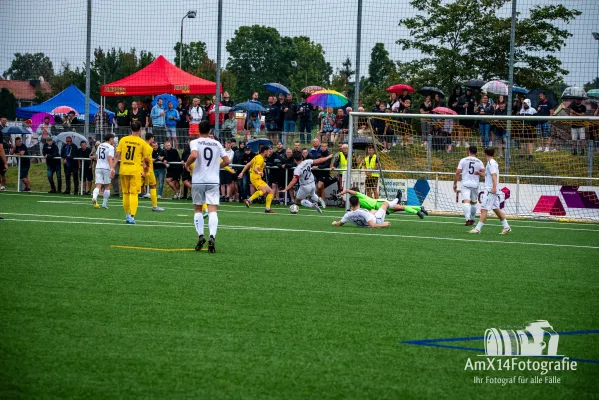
[(218, 61), (358, 49), (510, 98), (88, 46), (596, 37), (189, 14)]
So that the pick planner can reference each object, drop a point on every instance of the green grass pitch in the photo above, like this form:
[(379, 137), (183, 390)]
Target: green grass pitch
[(288, 307)]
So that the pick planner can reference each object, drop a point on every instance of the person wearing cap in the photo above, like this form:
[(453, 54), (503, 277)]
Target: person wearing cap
[(29, 139), (52, 154)]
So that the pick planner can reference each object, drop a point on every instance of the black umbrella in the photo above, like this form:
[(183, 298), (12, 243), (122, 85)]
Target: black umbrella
[(15, 130), (475, 83), (429, 90), (533, 95)]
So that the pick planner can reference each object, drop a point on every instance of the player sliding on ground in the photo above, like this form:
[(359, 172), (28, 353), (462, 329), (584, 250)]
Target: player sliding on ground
[(150, 178), (363, 218), (368, 203), (491, 199), (104, 167), (134, 165), (205, 182), (256, 167), (468, 168), (303, 174)]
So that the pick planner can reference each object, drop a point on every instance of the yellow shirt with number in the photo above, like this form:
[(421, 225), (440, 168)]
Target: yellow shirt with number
[(150, 149), (256, 163), (133, 151)]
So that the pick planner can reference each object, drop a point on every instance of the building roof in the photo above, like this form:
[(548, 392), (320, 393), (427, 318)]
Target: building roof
[(23, 90)]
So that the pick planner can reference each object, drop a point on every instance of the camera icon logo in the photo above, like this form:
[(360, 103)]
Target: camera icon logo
[(536, 339)]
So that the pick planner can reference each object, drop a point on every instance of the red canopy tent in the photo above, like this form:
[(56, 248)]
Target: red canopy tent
[(159, 77)]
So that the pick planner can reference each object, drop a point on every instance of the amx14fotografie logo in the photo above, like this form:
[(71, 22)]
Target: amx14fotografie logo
[(534, 348)]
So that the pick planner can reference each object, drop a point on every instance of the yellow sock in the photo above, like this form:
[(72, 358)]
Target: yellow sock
[(126, 203), (134, 202), (256, 194), (154, 197), (204, 207), (268, 200)]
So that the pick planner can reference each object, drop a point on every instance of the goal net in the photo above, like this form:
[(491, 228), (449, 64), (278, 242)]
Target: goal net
[(544, 173)]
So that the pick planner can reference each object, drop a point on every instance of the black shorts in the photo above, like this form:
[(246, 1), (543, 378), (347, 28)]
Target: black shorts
[(24, 172), (2, 171), (173, 173), (226, 177), (372, 182), (185, 176), (87, 175)]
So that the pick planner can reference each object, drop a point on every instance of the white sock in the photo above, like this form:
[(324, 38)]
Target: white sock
[(306, 203), (314, 199), (467, 211), (472, 212), (95, 194), (106, 196), (505, 224), (393, 202), (213, 223), (198, 221), (479, 226)]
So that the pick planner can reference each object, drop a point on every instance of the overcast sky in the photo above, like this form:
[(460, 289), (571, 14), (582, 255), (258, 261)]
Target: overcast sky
[(58, 28)]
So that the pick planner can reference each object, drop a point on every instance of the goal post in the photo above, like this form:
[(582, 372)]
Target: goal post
[(549, 166)]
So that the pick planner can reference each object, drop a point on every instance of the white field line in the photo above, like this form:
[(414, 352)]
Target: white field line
[(402, 218), (94, 221)]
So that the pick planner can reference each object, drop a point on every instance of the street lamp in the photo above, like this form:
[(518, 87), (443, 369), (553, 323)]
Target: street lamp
[(596, 37), (294, 64), (190, 14)]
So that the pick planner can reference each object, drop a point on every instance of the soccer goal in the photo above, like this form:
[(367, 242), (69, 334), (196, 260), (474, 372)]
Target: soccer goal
[(549, 166)]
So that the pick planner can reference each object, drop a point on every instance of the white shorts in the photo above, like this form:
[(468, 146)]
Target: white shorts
[(380, 215), (103, 177), (470, 194), (578, 133), (306, 192), (171, 132), (205, 194), (490, 201)]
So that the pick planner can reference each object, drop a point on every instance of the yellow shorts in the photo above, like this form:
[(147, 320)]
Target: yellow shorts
[(130, 184), (150, 179), (258, 183)]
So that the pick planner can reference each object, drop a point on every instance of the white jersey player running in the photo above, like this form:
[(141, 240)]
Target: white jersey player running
[(491, 198), (467, 168), (205, 182), (363, 218), (104, 165), (307, 188)]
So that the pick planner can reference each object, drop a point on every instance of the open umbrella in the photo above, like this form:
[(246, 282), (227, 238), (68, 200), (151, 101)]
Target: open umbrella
[(312, 89), (221, 110), (255, 144), (15, 130), (249, 106), (518, 89), (400, 88), (276, 88), (593, 93), (327, 98), (475, 83), (62, 138), (496, 87), (573, 93), (429, 90), (444, 111), (165, 99), (63, 110), (533, 95)]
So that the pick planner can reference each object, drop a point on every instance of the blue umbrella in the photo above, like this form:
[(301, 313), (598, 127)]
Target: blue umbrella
[(165, 99), (255, 144), (276, 88), (249, 106), (15, 130), (518, 89)]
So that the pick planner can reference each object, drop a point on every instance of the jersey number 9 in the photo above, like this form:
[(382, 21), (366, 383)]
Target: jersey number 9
[(208, 154)]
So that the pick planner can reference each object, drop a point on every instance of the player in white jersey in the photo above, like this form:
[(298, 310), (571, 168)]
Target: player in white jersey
[(363, 218), (467, 168), (104, 164), (307, 188), (205, 182), (491, 197)]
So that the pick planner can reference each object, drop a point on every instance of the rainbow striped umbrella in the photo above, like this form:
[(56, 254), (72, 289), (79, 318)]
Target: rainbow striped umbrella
[(328, 98)]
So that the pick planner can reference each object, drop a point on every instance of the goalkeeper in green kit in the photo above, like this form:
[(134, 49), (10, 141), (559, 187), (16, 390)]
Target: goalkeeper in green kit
[(368, 203)]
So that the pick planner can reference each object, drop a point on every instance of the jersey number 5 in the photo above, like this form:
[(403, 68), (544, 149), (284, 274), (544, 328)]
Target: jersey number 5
[(471, 167), (130, 154)]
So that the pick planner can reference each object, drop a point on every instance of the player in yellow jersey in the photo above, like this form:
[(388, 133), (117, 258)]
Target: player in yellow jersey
[(150, 178), (135, 159), (256, 167)]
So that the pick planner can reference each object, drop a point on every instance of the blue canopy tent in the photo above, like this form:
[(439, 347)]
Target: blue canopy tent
[(71, 97)]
